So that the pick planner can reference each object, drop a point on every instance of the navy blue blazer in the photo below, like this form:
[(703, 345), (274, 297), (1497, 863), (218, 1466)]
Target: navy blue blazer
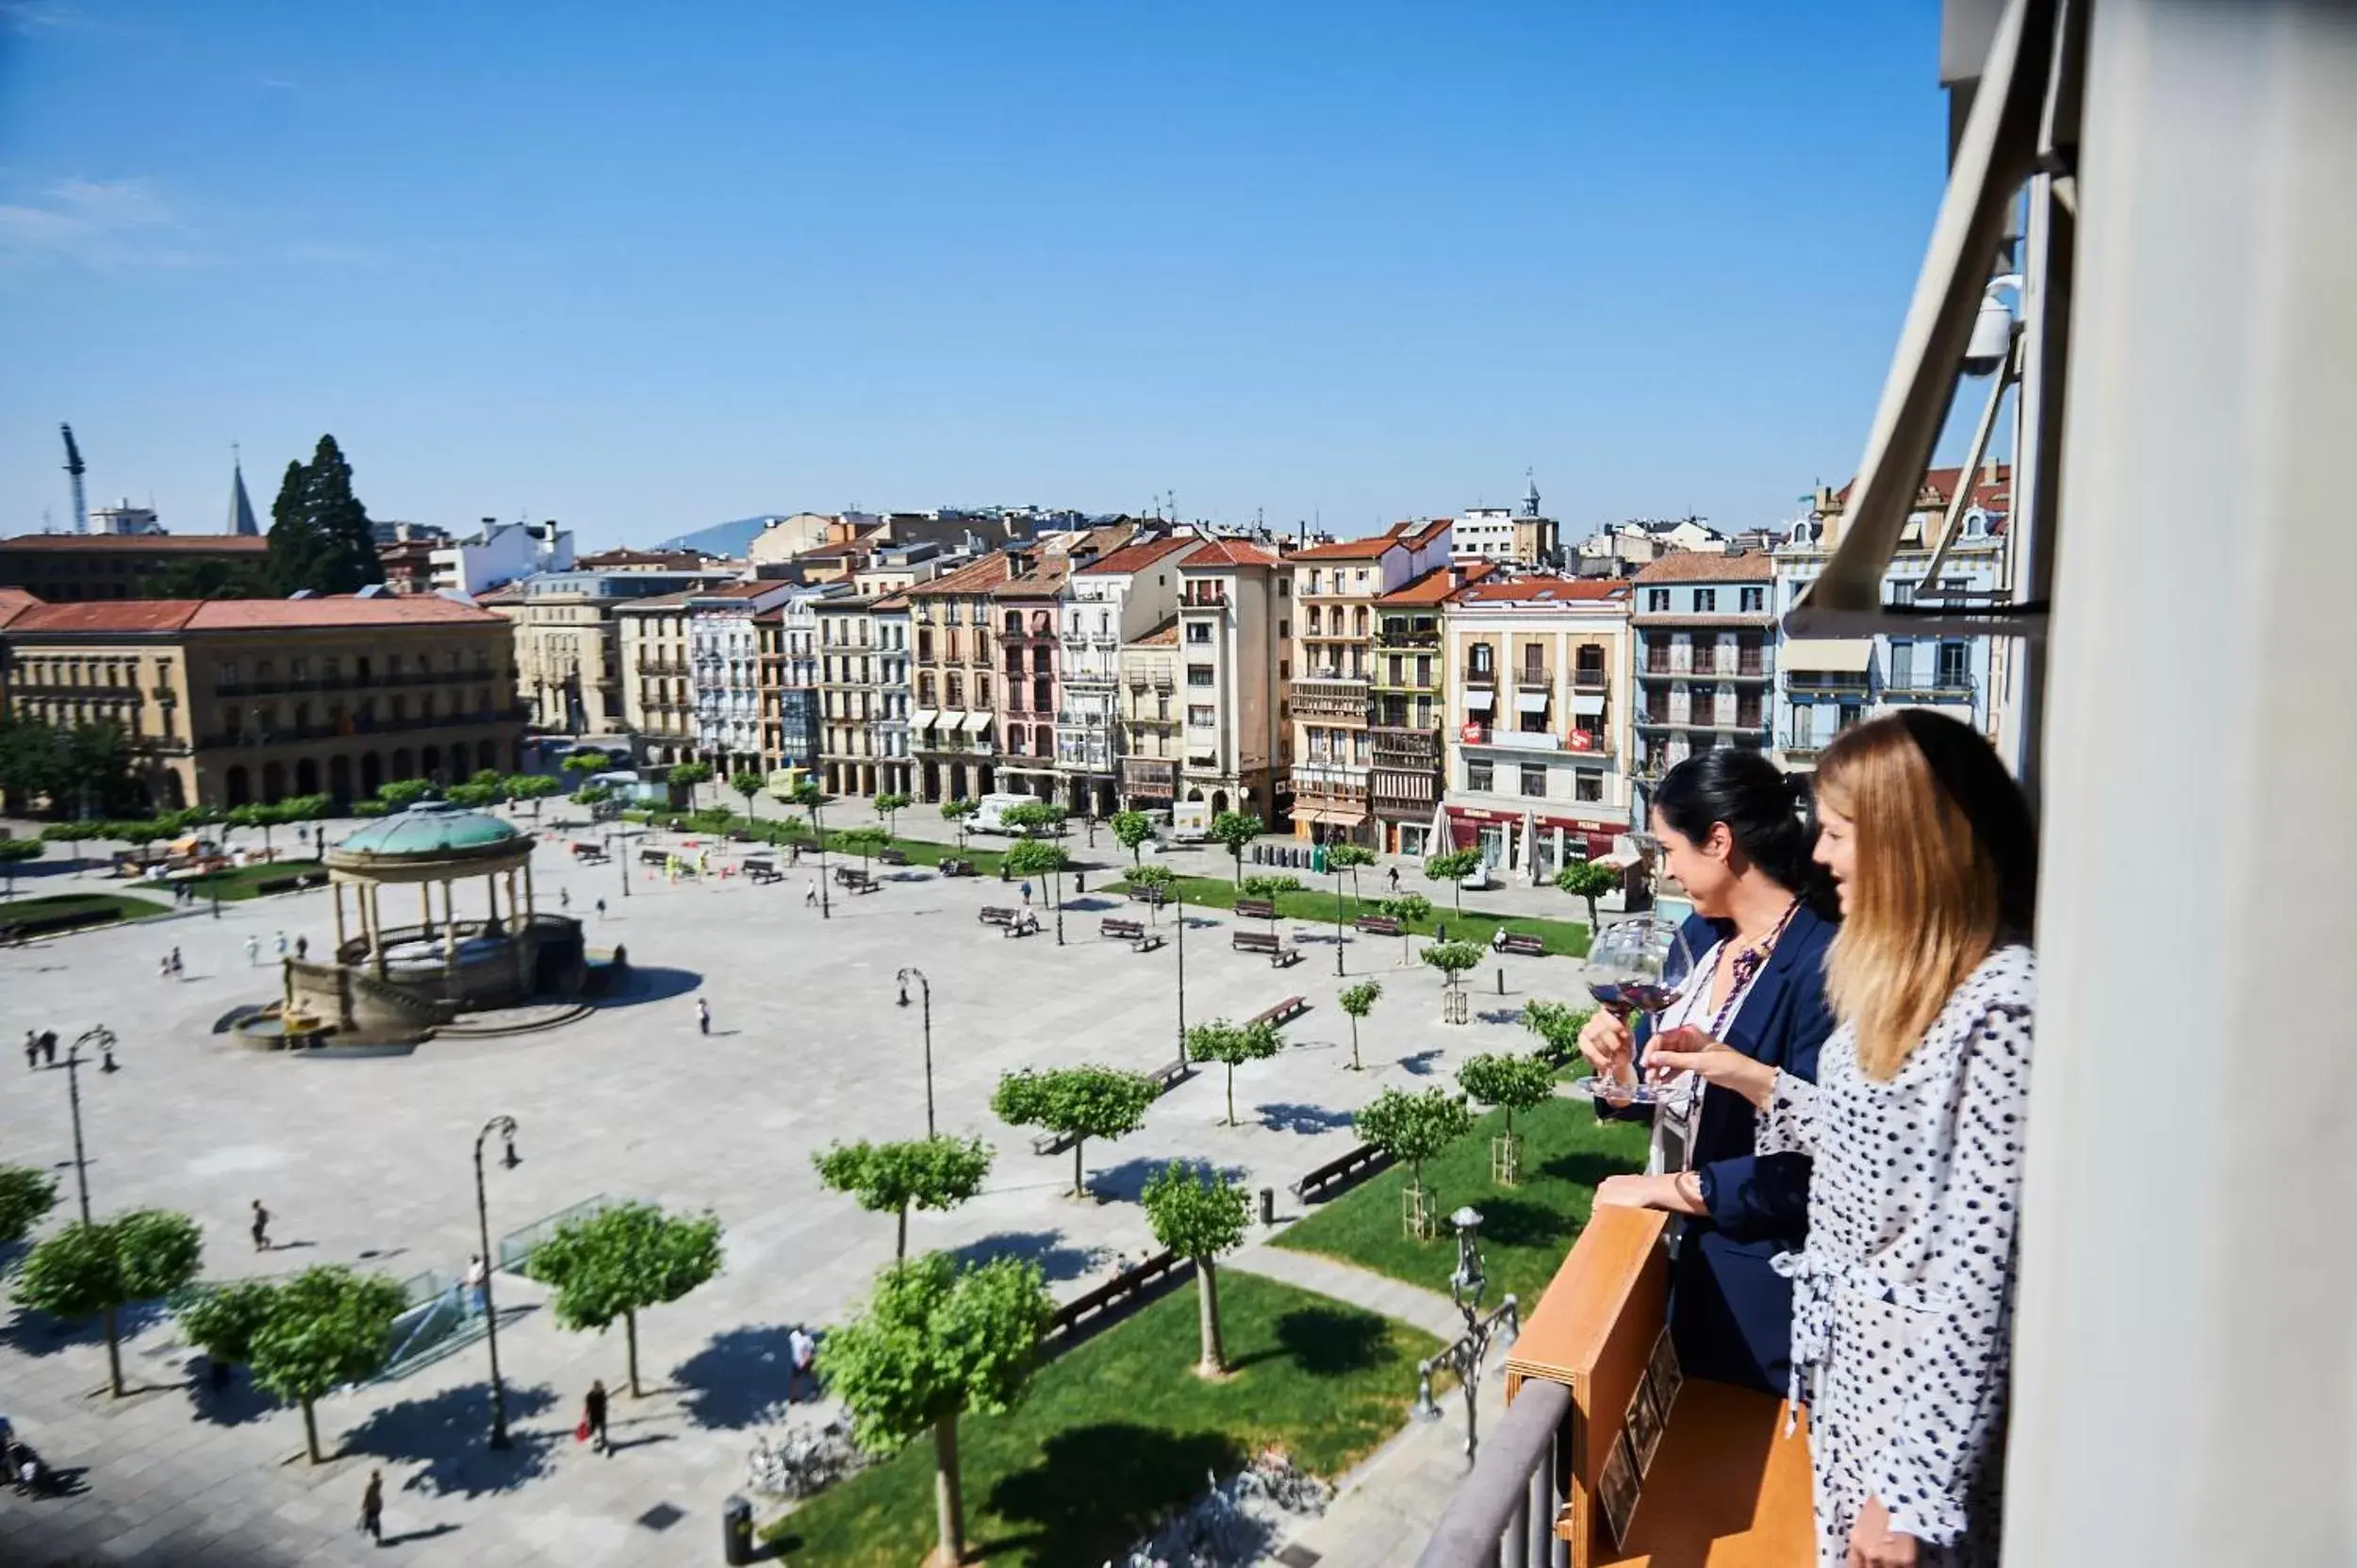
[(1730, 1313)]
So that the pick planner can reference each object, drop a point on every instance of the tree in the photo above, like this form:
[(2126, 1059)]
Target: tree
[(72, 835), (621, 1261), (96, 771), (889, 805), (222, 1321), (327, 1327), (1359, 1000), (747, 783), (1152, 879), (25, 1197), (580, 762), (1347, 857), (535, 787), (1269, 889), (1200, 1215), (1132, 828), (863, 841), (590, 795), (937, 1173), (1236, 829), (686, 776), (319, 531), (1588, 880), (1557, 1024), (1035, 818), (29, 759), (401, 794), (1453, 868), (959, 814), (475, 796), (1232, 1045), (1453, 958), (14, 853), (813, 800), (102, 1267), (1512, 1083), (1078, 1103), (1033, 857), (933, 1343), (1415, 1128)]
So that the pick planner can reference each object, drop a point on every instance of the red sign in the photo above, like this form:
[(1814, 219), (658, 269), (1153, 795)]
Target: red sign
[(1583, 740), (1470, 732)]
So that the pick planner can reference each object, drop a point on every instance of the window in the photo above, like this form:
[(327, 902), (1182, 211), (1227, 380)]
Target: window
[(1754, 601), (1586, 784), (1198, 675), (955, 686), (1658, 600), (1903, 591), (1705, 601), (1483, 659), (1533, 724), (1284, 628), (1955, 665), (1424, 670), (1476, 774), (1162, 704), (1902, 665), (1200, 633), (1535, 778), (1199, 716), (1015, 623)]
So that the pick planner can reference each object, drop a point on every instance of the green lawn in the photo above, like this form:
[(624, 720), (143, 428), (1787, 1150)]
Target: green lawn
[(243, 882), (796, 830), (120, 906), (1120, 1431), (1526, 1229), (1566, 937)]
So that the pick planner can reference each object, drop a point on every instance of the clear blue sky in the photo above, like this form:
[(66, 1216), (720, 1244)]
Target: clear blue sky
[(645, 268)]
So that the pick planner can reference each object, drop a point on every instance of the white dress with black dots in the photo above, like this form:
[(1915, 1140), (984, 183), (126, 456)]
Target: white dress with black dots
[(1903, 1297)]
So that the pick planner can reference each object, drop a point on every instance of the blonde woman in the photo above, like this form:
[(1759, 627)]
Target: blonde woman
[(1904, 1292)]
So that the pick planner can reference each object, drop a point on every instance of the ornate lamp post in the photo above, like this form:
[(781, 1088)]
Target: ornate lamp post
[(1180, 897), (925, 988), (101, 1040), (505, 1128), (1466, 1287)]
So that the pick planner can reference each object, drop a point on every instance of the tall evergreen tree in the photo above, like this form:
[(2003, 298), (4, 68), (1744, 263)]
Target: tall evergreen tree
[(319, 532)]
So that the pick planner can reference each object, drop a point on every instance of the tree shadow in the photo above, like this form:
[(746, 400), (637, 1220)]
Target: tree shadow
[(1096, 1488), (1124, 1182), (36, 1333), (1327, 1342), (1501, 1016), (444, 1434), (652, 984), (1424, 1063), (428, 1534), (1514, 1222), (1288, 1117), (1586, 1166), (741, 1378), (233, 1402), (1043, 1247), (1086, 903)]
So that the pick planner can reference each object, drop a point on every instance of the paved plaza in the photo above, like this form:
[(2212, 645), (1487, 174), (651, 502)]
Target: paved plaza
[(368, 1162)]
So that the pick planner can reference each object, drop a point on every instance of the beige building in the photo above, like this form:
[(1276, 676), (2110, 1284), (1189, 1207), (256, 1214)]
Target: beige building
[(1149, 755), (233, 701), (568, 659), (658, 698), (1538, 675), (953, 720), (1234, 622)]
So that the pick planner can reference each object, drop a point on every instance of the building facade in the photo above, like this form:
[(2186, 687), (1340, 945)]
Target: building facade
[(568, 663), (1408, 704), (1115, 600), (1539, 674), (1705, 659), (953, 727), (1149, 749), (66, 569), (1516, 537), (658, 690), (229, 702), (1234, 625), (724, 665), (501, 554)]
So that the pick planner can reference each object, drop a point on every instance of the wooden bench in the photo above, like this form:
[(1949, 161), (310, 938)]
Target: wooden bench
[(859, 882), (1518, 942), (1010, 922), (1171, 1074), (1336, 1174), (1376, 925), (1132, 931), (1052, 1143), (1124, 1288), (950, 866), (1284, 1012), (590, 854), (891, 857), (653, 857), (1256, 909), (1265, 942), (763, 871), (1157, 897)]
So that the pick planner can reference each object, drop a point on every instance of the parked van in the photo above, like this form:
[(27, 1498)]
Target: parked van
[(990, 811), (1191, 822)]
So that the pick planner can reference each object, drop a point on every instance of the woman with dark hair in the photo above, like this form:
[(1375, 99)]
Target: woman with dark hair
[(1731, 830), (1904, 1287)]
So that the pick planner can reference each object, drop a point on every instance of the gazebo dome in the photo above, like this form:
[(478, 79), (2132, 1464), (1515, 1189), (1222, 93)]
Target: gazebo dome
[(428, 830)]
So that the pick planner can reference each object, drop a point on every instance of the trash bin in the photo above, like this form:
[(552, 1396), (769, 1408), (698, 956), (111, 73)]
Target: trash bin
[(1268, 1205), (1317, 860), (736, 1532)]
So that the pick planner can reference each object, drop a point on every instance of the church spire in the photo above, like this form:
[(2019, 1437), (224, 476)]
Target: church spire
[(1531, 495), (240, 508)]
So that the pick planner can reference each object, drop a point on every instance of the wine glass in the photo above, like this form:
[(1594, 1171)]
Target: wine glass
[(1641, 964)]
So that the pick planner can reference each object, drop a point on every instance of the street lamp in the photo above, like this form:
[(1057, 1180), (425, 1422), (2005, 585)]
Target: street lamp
[(927, 987), (102, 1040), (505, 1128), (1180, 894), (1466, 1287)]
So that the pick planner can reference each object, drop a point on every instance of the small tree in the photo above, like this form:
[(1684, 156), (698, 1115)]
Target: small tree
[(1035, 818), (747, 783), (327, 1327), (1152, 879), (863, 841), (1351, 858), (1358, 1001), (1032, 857), (889, 805), (1236, 829), (959, 814), (14, 853), (401, 794), (474, 795), (933, 1343), (684, 777), (1453, 868), (1078, 1103), (1557, 1024), (937, 1173), (1410, 910), (1232, 1045), (1269, 889), (1200, 1215), (1453, 958), (222, 1321), (535, 787), (1588, 880), (100, 1267), (1132, 828), (1512, 1083), (584, 763), (71, 834), (809, 798), (621, 1261), (26, 1196), (1415, 1128)]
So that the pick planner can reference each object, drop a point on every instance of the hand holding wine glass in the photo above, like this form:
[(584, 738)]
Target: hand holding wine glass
[(1679, 1052), (1641, 964)]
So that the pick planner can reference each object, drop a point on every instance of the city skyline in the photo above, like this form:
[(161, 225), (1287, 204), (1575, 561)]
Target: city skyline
[(1338, 268)]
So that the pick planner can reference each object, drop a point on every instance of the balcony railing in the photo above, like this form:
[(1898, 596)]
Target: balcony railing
[(285, 733), (1330, 781), (1204, 596), (1938, 682), (1834, 681), (1598, 743), (1588, 680), (1408, 639), (353, 683), (1530, 677)]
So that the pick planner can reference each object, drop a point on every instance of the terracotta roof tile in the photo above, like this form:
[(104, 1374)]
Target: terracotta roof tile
[(1525, 590), (143, 616), (1435, 587), (1694, 566), (14, 602), (980, 577), (1166, 635), (1136, 558), (1229, 552), (140, 544), (1367, 549)]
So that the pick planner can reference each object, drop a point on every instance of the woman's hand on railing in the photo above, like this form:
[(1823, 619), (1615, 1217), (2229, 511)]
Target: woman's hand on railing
[(1874, 1545), (1684, 1050), (1674, 1192)]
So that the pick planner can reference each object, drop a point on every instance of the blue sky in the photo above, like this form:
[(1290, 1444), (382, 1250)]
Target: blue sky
[(644, 268)]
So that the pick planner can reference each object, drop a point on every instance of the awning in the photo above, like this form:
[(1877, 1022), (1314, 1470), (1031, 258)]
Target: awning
[(1531, 701), (1587, 705), (1334, 817), (975, 723), (924, 719), (1831, 656), (1479, 699)]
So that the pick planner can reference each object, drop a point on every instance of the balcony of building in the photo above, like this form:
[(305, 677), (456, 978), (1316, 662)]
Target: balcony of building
[(1204, 596), (1592, 743), (1934, 686), (1326, 697), (1396, 746), (1404, 637)]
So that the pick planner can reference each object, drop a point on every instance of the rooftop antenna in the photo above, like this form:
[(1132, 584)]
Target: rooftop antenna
[(73, 465)]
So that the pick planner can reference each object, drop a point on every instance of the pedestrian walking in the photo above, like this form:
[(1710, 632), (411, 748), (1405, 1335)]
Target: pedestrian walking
[(303, 949), (282, 943), (810, 894), (261, 1226), (1026, 893), (593, 1419), (473, 1281), (48, 1047), (564, 897), (32, 1050), (703, 1016), (1393, 875), (177, 968), (801, 1357), (600, 909), (372, 1508), (253, 951)]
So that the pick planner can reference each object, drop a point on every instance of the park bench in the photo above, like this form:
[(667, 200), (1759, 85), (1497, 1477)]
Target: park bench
[(1052, 1143), (1265, 942), (1127, 1286), (1335, 1174), (1157, 897), (891, 857), (950, 866), (653, 856), (1010, 922), (1140, 939), (590, 853), (1284, 1012), (763, 871), (1376, 925), (1171, 1074), (1507, 941), (857, 882), (1256, 909), (740, 835)]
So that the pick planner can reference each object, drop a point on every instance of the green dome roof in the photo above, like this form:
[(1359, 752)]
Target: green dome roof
[(428, 827)]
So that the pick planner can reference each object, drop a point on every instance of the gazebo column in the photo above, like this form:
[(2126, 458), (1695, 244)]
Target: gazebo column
[(450, 929), (372, 918), (491, 900), (425, 906), (337, 888), (529, 901), (520, 931)]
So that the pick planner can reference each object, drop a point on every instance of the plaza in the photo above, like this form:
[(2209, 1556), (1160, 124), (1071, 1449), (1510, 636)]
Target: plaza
[(368, 1162)]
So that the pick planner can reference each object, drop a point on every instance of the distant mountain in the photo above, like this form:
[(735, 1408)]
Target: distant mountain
[(723, 538)]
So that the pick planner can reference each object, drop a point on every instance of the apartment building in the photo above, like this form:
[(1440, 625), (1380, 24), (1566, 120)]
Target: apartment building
[(500, 553), (1029, 615), (1825, 685), (658, 690), (953, 723), (1408, 705), (1113, 602), (724, 665), (1335, 589), (1235, 624), (64, 568), (1538, 670), (787, 636), (1517, 537), (1149, 752), (232, 700), (568, 663), (1706, 658)]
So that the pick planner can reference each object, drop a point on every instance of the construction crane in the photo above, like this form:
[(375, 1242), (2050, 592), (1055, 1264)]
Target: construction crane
[(73, 467)]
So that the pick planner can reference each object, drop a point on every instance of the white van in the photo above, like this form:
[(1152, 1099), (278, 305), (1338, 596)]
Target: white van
[(1190, 823), (990, 811)]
